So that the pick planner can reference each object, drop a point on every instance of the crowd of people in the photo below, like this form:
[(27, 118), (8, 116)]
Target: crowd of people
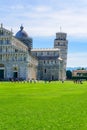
[(79, 81)]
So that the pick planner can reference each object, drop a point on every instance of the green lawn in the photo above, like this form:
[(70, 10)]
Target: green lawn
[(43, 106)]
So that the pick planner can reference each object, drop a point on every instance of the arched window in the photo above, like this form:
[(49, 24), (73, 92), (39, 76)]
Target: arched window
[(45, 71), (15, 68), (0, 57), (1, 65), (44, 61)]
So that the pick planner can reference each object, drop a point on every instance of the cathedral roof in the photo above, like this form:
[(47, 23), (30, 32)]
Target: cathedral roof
[(45, 49), (21, 33)]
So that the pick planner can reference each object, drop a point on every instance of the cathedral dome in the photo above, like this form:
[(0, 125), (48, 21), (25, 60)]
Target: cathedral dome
[(21, 33)]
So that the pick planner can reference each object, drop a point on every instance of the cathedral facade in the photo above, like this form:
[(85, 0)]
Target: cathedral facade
[(19, 60)]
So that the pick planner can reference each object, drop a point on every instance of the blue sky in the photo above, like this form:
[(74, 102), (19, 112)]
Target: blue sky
[(42, 19)]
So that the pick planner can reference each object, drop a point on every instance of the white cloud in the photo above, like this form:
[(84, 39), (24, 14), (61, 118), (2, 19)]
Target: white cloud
[(42, 9), (77, 59), (73, 23), (17, 7), (44, 20)]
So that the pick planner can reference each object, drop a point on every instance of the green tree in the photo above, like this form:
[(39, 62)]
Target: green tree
[(81, 68), (69, 74)]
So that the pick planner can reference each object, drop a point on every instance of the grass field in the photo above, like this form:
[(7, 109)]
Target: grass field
[(43, 106)]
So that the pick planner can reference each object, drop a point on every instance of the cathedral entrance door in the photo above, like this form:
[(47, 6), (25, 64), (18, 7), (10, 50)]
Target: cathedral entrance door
[(1, 74), (52, 77), (2, 71), (15, 75)]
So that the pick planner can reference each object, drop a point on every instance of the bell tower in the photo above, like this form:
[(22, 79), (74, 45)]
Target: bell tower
[(61, 42)]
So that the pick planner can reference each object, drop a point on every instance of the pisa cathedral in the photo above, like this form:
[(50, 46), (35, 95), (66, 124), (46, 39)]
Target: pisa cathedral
[(19, 60)]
